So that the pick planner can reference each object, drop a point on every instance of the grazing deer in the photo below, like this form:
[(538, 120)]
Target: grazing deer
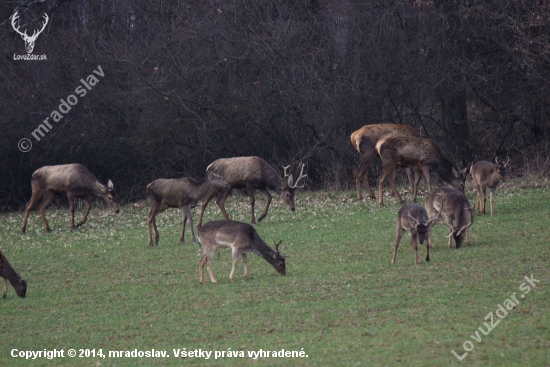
[(452, 206), (72, 179), (414, 218), (487, 176), (180, 193), (422, 154), (240, 238), (8, 273), (365, 139), (252, 173)]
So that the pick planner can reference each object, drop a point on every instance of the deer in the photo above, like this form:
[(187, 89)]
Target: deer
[(29, 40), (455, 210), (182, 193), (240, 238), (252, 173), (74, 180), (487, 175), (8, 273), (414, 218), (364, 141), (422, 154)]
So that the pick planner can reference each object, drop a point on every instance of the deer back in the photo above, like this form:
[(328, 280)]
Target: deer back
[(368, 135)]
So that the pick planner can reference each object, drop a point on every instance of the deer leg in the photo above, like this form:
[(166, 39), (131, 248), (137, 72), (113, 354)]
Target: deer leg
[(187, 215), (417, 177), (151, 222), (387, 169), (32, 202), (221, 201), (150, 219), (397, 240), (243, 256), (409, 176), (48, 197), (426, 174), (5, 288), (204, 204), (183, 222), (250, 192), (268, 196), (491, 199), (414, 244), (206, 259), (428, 245), (88, 206), (235, 258), (393, 177), (70, 196), (484, 195)]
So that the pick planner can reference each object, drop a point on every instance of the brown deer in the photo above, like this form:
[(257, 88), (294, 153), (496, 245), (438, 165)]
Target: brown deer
[(240, 238), (414, 218), (455, 210), (180, 193), (252, 173), (365, 139), (72, 179), (8, 273), (422, 154), (487, 175)]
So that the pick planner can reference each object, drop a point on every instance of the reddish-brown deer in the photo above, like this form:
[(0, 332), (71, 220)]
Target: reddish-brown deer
[(364, 141), (455, 210), (422, 154), (180, 193), (8, 273), (487, 175), (252, 173), (75, 181), (240, 238), (414, 218)]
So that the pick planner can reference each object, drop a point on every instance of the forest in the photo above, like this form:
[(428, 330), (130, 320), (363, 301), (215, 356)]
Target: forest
[(143, 89)]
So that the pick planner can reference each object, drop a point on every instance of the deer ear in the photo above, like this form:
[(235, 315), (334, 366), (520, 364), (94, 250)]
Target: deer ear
[(110, 185)]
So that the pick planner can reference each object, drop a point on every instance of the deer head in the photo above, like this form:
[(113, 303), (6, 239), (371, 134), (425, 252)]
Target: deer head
[(29, 40), (289, 187), (501, 168)]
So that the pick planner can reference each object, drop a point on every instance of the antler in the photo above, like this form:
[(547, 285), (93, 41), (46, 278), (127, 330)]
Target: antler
[(285, 168), (36, 33), (299, 178), (16, 28), (277, 247), (408, 215)]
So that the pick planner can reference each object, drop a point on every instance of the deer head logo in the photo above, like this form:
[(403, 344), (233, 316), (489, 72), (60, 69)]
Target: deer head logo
[(29, 40)]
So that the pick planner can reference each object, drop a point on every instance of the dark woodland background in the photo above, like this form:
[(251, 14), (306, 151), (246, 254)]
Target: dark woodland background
[(187, 82)]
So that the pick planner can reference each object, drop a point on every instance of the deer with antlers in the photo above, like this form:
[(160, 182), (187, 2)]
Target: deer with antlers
[(240, 238), (455, 210), (75, 181), (29, 40), (252, 173), (423, 155), (487, 175), (364, 141), (414, 218), (8, 273), (180, 193)]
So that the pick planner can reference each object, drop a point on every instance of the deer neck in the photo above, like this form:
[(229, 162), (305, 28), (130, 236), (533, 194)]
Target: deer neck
[(7, 272), (264, 251), (202, 188)]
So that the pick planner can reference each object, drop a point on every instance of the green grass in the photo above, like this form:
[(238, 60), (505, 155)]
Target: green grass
[(341, 301)]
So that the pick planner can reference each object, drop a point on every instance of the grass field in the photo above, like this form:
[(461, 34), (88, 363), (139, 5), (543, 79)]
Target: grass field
[(341, 302)]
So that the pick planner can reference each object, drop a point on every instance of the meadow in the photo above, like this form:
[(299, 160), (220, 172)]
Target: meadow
[(341, 302)]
